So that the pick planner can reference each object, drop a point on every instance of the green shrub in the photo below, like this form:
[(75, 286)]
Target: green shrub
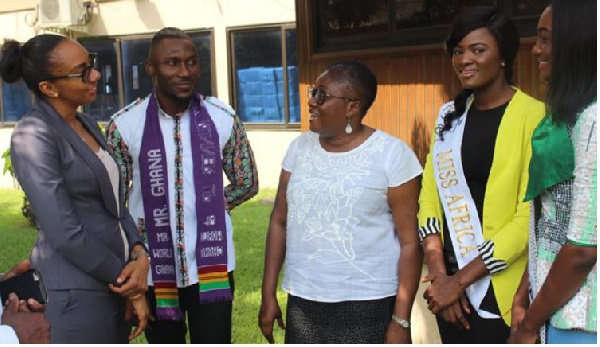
[(25, 206)]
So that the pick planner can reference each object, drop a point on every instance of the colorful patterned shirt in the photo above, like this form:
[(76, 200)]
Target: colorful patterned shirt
[(124, 141), (568, 215)]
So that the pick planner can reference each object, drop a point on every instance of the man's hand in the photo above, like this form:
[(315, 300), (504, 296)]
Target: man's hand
[(22, 267), (18, 269), (30, 327)]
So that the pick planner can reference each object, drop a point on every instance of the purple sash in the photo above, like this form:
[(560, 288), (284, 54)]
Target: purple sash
[(211, 244)]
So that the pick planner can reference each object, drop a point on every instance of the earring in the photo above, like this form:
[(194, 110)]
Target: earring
[(502, 64), (348, 128)]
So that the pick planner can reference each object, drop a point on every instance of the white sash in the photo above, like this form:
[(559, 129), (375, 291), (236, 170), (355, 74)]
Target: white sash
[(461, 214)]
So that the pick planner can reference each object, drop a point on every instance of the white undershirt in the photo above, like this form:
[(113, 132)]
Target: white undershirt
[(113, 174)]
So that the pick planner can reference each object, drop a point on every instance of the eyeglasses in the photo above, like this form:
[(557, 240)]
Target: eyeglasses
[(85, 74), (321, 96)]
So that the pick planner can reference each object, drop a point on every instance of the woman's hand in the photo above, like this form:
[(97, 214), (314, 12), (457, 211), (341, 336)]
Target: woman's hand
[(397, 334), (269, 312), (520, 302), (138, 307), (522, 334), (443, 291), (519, 309), (456, 313), (133, 280)]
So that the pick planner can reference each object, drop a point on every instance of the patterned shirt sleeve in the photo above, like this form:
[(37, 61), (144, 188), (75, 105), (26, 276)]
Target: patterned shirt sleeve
[(430, 228), (583, 222), (119, 150), (486, 251), (239, 167)]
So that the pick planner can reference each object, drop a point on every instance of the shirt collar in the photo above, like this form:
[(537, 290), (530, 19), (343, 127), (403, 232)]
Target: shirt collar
[(161, 112)]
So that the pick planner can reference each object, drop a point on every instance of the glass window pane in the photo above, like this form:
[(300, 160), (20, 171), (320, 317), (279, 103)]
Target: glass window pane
[(107, 99), (292, 77), (202, 42), (340, 18), (16, 100), (422, 13), (523, 8), (136, 81), (259, 76)]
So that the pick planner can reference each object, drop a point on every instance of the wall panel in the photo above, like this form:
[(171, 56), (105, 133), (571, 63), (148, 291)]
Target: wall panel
[(413, 84)]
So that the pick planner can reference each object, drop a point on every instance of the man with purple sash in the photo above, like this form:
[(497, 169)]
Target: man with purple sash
[(172, 148)]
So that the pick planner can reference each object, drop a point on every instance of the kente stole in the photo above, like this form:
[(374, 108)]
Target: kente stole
[(211, 240)]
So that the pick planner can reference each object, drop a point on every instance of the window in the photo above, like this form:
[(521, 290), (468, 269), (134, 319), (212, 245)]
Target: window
[(107, 100), (339, 25), (265, 74), (136, 82), (121, 62), (16, 101), (203, 42)]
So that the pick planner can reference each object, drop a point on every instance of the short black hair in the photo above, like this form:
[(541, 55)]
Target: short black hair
[(573, 82), (501, 27), (359, 78), (32, 62), (166, 33)]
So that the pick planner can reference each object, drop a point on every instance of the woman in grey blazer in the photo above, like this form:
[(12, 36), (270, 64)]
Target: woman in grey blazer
[(92, 260)]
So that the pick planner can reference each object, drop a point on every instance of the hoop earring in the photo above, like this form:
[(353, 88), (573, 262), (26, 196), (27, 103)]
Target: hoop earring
[(348, 128)]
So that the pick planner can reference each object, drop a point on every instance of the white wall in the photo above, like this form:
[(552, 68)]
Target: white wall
[(269, 149), (130, 17)]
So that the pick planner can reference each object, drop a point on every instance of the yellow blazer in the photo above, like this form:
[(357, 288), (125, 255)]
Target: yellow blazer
[(505, 215)]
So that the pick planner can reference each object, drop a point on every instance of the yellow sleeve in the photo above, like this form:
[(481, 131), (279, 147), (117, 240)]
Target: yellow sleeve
[(510, 242)]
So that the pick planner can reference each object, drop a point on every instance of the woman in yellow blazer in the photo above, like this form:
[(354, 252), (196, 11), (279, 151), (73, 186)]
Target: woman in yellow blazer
[(472, 221)]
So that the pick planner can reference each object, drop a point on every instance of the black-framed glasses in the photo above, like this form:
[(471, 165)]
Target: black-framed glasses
[(85, 74), (321, 96)]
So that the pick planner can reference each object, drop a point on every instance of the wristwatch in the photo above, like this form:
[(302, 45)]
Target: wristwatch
[(402, 322)]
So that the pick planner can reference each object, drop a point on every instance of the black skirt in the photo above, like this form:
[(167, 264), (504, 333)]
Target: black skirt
[(364, 321)]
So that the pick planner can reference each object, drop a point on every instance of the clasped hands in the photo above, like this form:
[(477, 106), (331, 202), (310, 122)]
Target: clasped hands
[(446, 297), (132, 284)]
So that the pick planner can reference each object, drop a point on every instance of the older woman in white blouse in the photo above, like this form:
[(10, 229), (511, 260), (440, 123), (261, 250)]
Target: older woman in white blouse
[(344, 220)]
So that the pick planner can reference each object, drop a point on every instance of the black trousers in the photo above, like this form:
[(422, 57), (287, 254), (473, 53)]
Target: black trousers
[(482, 330), (208, 323)]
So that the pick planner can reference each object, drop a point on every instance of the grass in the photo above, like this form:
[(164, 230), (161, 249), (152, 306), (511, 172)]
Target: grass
[(250, 223)]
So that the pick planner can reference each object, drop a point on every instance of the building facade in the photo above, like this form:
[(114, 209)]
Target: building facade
[(247, 52)]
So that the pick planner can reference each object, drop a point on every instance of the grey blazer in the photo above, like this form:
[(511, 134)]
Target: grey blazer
[(79, 245)]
